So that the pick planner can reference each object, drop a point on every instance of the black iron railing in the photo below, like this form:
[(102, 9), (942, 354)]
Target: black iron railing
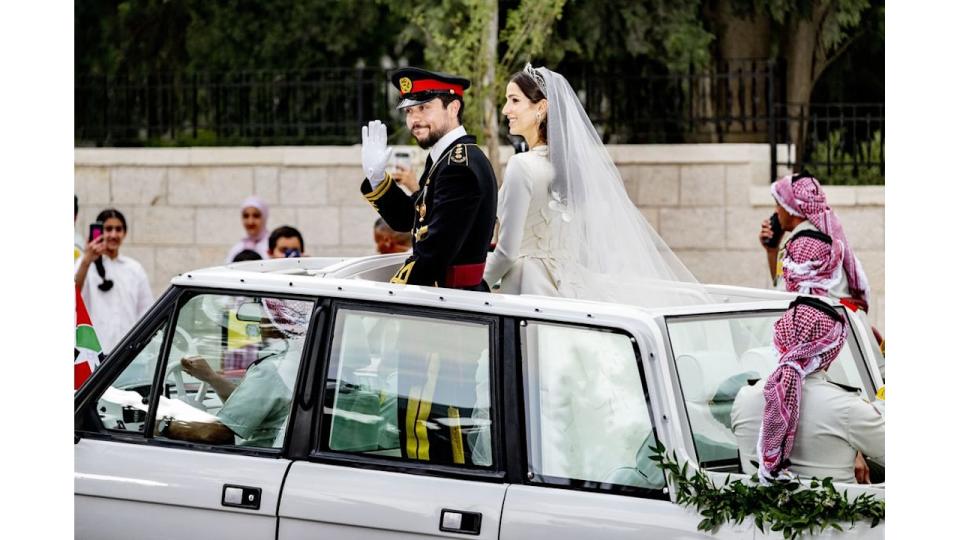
[(740, 101), (237, 108), (726, 104), (840, 143)]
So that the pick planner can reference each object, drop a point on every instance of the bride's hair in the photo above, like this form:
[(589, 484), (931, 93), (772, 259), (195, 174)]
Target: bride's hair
[(528, 85)]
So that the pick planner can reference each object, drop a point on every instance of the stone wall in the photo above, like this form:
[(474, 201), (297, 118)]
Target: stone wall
[(707, 201)]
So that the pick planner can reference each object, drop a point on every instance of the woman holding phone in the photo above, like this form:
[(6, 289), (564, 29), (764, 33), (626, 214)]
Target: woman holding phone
[(117, 293)]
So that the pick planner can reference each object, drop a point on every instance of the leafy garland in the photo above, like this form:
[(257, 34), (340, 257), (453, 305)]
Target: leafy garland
[(782, 506)]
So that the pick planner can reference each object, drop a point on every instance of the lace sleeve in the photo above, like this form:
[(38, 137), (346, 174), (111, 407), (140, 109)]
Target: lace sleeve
[(514, 204)]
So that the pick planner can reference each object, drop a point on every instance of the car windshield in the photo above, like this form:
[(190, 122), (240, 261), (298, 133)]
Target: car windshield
[(716, 355)]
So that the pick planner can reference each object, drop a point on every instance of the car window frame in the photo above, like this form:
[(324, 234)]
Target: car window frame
[(320, 428), (86, 420), (686, 424), (178, 297), (537, 480)]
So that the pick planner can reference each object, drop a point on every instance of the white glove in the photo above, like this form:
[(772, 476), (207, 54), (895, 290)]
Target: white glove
[(374, 154)]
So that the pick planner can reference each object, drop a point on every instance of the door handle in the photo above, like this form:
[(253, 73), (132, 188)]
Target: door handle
[(241, 497), (460, 522)]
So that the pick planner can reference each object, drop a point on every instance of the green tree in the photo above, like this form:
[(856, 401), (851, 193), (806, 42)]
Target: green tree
[(808, 35), (604, 33)]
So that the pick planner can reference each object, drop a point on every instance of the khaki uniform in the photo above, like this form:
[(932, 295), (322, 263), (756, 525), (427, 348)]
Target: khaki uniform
[(835, 422)]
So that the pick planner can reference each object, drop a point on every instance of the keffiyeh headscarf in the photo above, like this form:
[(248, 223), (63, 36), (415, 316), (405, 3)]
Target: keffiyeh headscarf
[(808, 337), (288, 316), (802, 196), (812, 263)]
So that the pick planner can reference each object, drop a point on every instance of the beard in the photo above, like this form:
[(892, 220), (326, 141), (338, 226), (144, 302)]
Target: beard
[(433, 136)]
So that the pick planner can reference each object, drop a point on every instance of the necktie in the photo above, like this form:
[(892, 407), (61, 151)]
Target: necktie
[(426, 170)]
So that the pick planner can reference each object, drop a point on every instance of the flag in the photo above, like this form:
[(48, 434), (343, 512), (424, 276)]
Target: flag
[(86, 353)]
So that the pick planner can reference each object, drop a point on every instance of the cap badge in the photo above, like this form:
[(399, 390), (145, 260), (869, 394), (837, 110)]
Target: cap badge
[(405, 85)]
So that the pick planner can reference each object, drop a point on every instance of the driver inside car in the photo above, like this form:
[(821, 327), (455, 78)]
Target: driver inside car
[(256, 409)]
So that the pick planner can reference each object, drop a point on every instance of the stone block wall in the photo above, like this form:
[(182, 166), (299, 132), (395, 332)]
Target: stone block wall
[(182, 204)]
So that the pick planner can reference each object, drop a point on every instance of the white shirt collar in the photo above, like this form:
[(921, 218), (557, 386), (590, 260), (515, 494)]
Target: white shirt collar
[(445, 141)]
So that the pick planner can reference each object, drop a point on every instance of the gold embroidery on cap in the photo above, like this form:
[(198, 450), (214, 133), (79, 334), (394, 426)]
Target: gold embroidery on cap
[(405, 84)]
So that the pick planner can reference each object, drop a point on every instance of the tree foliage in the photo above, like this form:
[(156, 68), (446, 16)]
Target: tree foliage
[(150, 36), (606, 33)]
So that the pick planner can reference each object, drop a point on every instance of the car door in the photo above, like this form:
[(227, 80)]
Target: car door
[(132, 483), (713, 357), (406, 441), (587, 429)]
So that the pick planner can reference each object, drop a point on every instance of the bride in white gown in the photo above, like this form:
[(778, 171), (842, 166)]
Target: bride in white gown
[(567, 226)]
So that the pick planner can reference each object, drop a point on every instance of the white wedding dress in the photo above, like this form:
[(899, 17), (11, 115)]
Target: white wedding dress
[(568, 227), (528, 258)]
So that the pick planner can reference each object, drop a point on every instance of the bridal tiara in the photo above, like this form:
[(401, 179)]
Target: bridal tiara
[(537, 77)]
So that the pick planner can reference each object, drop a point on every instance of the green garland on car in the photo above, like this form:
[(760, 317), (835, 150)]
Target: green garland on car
[(782, 506)]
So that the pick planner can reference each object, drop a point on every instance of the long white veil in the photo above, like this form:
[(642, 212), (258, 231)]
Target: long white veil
[(622, 257)]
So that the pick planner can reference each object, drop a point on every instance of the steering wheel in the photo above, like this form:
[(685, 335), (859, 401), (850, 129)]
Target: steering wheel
[(175, 369)]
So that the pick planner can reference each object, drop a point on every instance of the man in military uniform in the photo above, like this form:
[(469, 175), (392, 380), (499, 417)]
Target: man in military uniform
[(452, 215), (831, 422)]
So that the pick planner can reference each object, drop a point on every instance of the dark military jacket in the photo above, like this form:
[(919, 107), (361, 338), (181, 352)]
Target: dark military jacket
[(451, 217)]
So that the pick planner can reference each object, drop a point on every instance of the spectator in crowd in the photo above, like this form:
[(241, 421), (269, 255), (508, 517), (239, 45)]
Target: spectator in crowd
[(285, 242), (813, 264), (796, 421), (254, 212), (247, 255), (118, 293), (802, 205), (389, 240), (256, 409), (77, 238)]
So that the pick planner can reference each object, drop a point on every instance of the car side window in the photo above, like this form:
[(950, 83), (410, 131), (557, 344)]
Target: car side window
[(588, 423), (123, 405), (409, 388), (230, 376), (718, 355)]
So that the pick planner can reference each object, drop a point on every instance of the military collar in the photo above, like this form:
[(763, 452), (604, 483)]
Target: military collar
[(437, 150)]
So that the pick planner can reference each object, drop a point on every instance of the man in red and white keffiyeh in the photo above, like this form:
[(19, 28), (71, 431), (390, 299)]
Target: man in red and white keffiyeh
[(812, 263), (801, 196), (808, 337)]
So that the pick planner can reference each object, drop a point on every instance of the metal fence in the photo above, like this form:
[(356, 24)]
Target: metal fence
[(739, 101), (237, 108), (726, 104), (840, 143)]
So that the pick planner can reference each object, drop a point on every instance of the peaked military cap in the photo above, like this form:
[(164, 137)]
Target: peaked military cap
[(419, 86)]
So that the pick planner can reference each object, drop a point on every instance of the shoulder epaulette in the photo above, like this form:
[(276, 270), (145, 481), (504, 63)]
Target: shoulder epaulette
[(458, 155)]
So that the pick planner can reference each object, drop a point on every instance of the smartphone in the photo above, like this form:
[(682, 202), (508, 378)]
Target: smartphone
[(96, 230), (774, 241), (401, 159)]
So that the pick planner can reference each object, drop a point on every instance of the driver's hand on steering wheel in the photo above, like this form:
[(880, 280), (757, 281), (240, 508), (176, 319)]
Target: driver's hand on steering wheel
[(198, 367)]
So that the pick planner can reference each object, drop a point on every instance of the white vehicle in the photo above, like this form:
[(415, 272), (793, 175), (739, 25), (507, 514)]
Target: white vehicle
[(408, 412)]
